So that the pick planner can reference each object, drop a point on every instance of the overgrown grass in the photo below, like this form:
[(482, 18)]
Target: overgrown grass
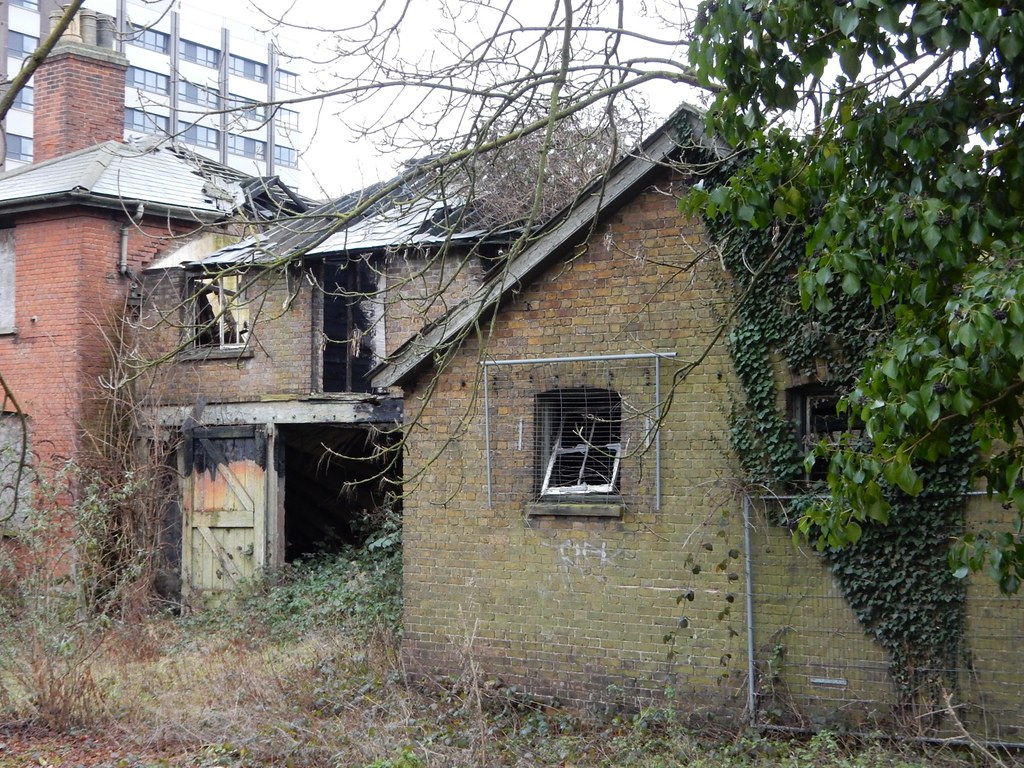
[(302, 669)]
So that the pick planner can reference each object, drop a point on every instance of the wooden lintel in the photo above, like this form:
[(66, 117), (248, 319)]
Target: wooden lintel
[(367, 410)]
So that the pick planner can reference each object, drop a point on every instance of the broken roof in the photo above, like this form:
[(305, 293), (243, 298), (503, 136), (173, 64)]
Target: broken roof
[(403, 212), (159, 175), (599, 199)]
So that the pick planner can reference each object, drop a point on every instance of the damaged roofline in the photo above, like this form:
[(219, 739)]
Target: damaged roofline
[(125, 206), (598, 200)]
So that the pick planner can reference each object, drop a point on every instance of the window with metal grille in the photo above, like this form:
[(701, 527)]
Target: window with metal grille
[(247, 68), (579, 442), (146, 80), (813, 410), (199, 54), (221, 313)]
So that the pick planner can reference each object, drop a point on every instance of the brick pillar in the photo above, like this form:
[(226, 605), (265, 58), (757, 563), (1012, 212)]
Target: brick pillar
[(79, 99)]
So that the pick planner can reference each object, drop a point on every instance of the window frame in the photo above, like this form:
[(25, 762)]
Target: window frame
[(145, 122), (23, 104), (185, 89), (812, 409), (240, 146), (160, 84), (20, 53), (197, 53), (190, 132), (286, 79), (215, 326), (144, 37), (249, 109), (21, 156), (241, 66), (292, 160), (288, 118), (585, 412), (32, 5)]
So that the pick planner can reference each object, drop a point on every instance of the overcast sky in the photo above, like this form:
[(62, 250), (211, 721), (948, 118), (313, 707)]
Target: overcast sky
[(336, 159)]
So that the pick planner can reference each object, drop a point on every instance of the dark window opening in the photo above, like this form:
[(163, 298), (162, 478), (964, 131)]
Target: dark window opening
[(813, 410), (348, 353), (579, 442), (221, 312), (336, 486)]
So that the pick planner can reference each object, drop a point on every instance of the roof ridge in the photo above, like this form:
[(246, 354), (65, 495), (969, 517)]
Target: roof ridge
[(52, 161), (105, 154)]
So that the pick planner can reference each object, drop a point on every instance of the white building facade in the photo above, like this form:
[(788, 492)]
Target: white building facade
[(214, 84)]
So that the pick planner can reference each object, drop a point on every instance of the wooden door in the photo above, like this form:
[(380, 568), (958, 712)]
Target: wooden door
[(224, 536)]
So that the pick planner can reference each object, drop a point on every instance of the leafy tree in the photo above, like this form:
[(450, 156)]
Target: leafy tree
[(890, 133)]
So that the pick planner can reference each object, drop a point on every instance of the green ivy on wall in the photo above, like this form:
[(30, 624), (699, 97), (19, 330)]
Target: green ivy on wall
[(896, 577)]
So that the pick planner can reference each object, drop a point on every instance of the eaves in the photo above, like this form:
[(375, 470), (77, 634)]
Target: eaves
[(126, 206)]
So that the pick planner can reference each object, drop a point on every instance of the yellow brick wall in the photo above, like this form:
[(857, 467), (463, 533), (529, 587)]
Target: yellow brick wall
[(578, 609), (571, 607)]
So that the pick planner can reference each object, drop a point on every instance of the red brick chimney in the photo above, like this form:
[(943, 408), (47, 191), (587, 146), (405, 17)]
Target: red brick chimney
[(79, 96)]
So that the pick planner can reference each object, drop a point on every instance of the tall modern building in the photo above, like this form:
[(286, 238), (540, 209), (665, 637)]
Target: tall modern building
[(212, 83)]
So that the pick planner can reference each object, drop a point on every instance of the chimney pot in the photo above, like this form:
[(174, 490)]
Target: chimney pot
[(87, 20), (79, 91), (105, 28), (73, 33)]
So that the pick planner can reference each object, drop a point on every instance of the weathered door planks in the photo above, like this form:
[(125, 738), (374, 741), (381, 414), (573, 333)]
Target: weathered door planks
[(224, 537)]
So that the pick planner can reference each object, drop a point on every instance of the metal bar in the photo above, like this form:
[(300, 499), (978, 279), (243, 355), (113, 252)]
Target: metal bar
[(580, 359), (748, 573), (657, 432), (487, 439)]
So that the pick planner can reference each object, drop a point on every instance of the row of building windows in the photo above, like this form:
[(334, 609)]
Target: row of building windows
[(31, 4), (154, 82), (20, 45), (153, 40), (204, 136)]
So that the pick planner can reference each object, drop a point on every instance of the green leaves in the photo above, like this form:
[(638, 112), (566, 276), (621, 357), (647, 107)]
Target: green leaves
[(907, 186)]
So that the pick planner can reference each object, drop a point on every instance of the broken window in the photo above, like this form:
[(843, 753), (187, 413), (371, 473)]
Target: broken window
[(221, 312), (579, 435), (348, 322), (814, 412)]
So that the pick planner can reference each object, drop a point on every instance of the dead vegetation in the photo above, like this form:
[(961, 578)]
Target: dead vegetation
[(303, 669)]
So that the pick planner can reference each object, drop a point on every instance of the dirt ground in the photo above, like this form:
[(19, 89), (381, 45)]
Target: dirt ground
[(23, 745)]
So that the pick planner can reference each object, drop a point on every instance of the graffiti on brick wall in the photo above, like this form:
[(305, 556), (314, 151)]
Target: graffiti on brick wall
[(586, 558)]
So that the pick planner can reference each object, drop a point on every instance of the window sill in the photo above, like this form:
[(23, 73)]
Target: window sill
[(216, 353), (576, 508)]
